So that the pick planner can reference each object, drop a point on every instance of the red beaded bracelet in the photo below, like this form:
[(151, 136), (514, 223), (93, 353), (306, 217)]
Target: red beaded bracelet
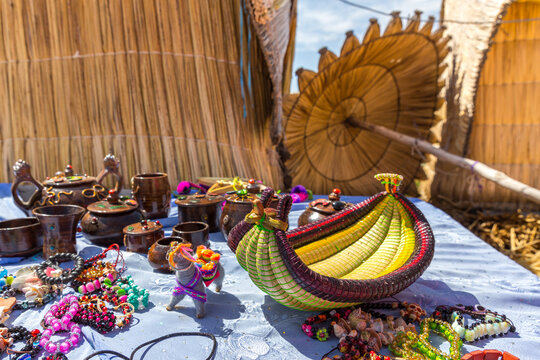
[(489, 355)]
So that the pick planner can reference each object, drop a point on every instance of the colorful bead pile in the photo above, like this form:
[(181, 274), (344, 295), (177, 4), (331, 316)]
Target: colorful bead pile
[(56, 324), (126, 291), (412, 346)]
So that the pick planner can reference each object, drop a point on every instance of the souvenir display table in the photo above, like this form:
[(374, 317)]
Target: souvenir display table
[(248, 324)]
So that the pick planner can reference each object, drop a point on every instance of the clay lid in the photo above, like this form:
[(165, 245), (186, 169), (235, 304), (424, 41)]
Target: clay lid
[(67, 181), (113, 205), (144, 227), (198, 200), (244, 197), (331, 205)]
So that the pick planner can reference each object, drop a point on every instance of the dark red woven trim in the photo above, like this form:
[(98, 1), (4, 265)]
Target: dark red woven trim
[(339, 290), (333, 223)]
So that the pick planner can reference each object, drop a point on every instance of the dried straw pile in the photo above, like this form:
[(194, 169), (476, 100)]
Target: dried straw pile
[(493, 93), (177, 86)]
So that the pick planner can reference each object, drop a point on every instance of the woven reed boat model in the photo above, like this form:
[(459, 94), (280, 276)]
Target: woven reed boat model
[(369, 251)]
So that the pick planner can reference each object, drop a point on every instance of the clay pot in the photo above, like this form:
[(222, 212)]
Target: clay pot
[(105, 220), (196, 233), (236, 208), (321, 208), (157, 255), (59, 226), (140, 236), (20, 237), (66, 187), (153, 193), (200, 207)]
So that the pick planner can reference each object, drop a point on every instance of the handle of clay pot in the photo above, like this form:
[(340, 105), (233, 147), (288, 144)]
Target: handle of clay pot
[(111, 166), (21, 170), (134, 189)]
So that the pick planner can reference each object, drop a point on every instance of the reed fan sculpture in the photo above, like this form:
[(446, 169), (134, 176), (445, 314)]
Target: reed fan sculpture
[(389, 79), (366, 252)]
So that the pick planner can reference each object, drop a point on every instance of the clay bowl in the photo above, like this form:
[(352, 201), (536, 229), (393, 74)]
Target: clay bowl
[(194, 232), (157, 255), (20, 237)]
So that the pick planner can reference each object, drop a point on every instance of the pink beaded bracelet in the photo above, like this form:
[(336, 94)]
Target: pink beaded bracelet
[(55, 325)]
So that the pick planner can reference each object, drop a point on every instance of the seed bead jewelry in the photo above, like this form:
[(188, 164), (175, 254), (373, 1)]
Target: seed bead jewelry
[(31, 339), (126, 291), (489, 323), (50, 266), (409, 345), (322, 333), (54, 325)]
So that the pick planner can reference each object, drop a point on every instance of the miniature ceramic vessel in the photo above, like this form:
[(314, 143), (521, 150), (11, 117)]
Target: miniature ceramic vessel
[(200, 207), (105, 220), (140, 236), (321, 208), (194, 232), (157, 255), (238, 205), (20, 237), (65, 187), (153, 193), (59, 227)]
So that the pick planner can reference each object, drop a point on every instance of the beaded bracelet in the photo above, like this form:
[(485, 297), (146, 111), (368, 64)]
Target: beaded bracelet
[(99, 317), (489, 323), (65, 323), (31, 339), (322, 333), (43, 271), (409, 345)]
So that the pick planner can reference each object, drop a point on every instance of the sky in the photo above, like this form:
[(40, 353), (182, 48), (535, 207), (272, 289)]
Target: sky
[(324, 23)]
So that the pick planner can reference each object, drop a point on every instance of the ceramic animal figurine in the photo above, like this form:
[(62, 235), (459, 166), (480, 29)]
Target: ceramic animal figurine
[(193, 275)]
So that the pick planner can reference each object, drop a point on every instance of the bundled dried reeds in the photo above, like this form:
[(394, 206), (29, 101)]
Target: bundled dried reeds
[(493, 113), (176, 86), (389, 79)]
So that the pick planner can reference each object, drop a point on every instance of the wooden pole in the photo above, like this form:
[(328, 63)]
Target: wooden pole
[(477, 167)]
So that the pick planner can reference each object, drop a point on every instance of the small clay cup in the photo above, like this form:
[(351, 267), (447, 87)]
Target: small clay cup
[(194, 232), (157, 254), (59, 226), (153, 193), (20, 237)]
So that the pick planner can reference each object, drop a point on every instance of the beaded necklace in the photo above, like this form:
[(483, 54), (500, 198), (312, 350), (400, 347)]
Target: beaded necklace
[(30, 338), (126, 291), (60, 318), (409, 345), (488, 323)]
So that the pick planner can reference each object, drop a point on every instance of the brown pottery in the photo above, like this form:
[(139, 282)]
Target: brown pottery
[(321, 208), (153, 193), (65, 187), (194, 232), (140, 236), (157, 255), (105, 220), (238, 205), (200, 207), (20, 237), (59, 226)]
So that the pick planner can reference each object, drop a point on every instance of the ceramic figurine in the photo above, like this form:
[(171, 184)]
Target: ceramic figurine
[(321, 208), (200, 207), (65, 187), (193, 275), (105, 220)]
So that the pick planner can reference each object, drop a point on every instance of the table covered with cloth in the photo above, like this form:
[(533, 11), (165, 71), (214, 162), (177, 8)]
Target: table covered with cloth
[(248, 324)]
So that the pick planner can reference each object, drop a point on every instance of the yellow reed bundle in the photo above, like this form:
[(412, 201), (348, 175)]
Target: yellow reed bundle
[(497, 120), (175, 86)]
